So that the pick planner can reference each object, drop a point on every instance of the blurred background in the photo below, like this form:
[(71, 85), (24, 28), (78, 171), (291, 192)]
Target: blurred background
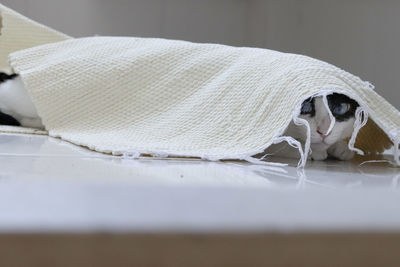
[(360, 36)]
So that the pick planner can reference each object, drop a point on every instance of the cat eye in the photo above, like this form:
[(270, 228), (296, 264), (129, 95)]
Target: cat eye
[(341, 109)]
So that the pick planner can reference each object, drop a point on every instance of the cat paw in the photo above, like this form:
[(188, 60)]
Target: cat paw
[(341, 151), (319, 155)]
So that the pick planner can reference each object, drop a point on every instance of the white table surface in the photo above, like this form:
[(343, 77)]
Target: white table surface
[(47, 185)]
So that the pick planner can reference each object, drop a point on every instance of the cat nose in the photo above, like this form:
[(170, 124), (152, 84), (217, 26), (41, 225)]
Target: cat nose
[(322, 134)]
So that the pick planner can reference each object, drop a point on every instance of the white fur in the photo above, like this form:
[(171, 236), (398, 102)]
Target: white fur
[(333, 144), (16, 102)]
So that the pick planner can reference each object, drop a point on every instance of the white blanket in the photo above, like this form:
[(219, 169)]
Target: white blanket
[(135, 96)]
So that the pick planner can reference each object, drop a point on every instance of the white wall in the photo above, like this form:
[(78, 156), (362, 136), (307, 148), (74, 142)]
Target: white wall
[(221, 21), (361, 36)]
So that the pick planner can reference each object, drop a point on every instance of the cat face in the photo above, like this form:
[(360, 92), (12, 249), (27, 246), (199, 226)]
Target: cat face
[(314, 111)]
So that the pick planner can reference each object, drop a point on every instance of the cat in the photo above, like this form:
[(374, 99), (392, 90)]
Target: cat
[(17, 109), (323, 143)]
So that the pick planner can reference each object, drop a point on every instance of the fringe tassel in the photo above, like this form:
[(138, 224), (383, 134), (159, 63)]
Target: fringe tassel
[(361, 120), (333, 120)]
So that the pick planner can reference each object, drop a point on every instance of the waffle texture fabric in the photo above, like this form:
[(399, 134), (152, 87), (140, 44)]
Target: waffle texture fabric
[(132, 96)]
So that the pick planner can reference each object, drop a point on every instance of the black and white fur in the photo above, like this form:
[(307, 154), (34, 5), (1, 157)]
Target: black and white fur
[(17, 109), (323, 143)]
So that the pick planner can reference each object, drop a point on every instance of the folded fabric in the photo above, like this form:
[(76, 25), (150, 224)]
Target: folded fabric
[(134, 96)]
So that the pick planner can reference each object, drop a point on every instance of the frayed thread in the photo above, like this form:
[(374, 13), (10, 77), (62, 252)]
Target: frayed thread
[(307, 145), (369, 85), (131, 154), (395, 140), (332, 118), (302, 178), (260, 161), (361, 118), (296, 144)]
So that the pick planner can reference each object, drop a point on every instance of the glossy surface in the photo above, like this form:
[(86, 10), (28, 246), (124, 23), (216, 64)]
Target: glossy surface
[(47, 185)]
